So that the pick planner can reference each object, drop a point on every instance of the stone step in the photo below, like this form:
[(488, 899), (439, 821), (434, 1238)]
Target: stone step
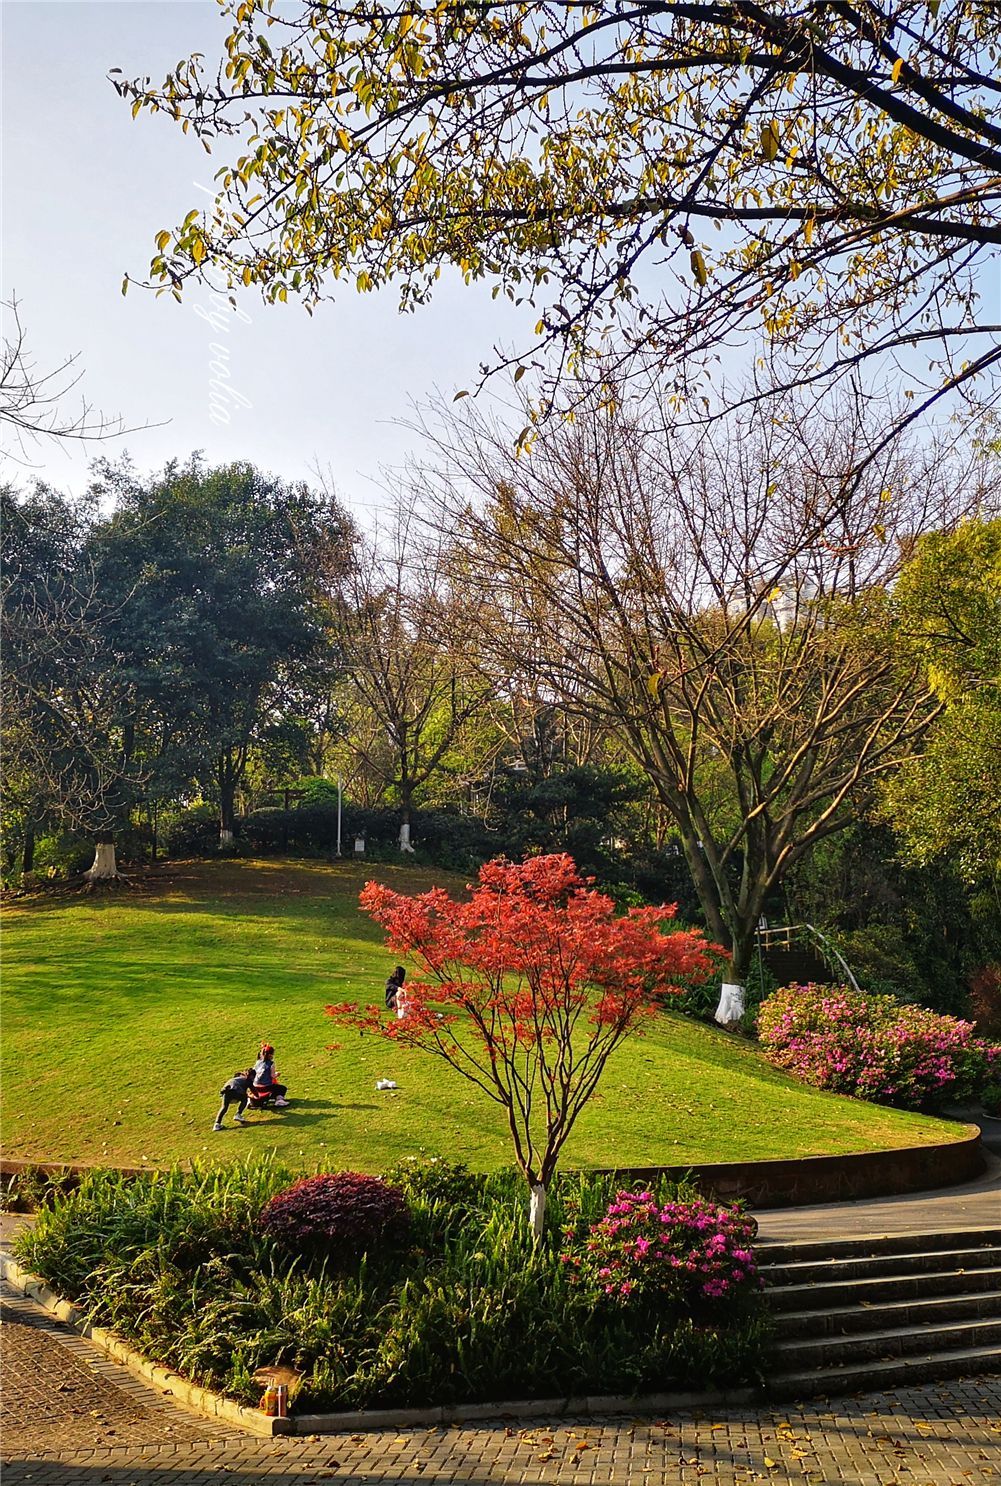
[(873, 1266), (871, 1376), (834, 1294), (905, 1341), (888, 1315), (804, 1250)]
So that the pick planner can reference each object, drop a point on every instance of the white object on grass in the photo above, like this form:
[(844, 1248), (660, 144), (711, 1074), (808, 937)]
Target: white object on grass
[(385, 1083)]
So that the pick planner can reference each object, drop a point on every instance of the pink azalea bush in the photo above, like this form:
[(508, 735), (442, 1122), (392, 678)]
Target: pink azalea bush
[(695, 1252), (873, 1047)]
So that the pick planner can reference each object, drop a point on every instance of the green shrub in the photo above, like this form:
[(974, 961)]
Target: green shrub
[(194, 832), (179, 1264)]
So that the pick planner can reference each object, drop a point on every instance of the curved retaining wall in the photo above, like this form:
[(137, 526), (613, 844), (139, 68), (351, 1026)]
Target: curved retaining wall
[(796, 1183), (812, 1179)]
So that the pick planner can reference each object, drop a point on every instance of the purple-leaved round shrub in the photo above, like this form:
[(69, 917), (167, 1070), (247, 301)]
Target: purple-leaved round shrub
[(874, 1047), (343, 1213)]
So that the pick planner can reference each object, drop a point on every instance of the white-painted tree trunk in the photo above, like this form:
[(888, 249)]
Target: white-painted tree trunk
[(732, 1001), (537, 1211), (405, 837), (104, 867), (225, 838)]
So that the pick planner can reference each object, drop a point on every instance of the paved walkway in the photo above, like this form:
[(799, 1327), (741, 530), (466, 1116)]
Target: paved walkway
[(71, 1417)]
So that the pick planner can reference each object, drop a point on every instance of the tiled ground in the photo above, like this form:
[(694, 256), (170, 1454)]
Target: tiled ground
[(72, 1418)]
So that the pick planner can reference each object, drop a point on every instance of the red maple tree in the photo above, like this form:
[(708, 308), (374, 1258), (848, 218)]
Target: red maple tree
[(526, 989)]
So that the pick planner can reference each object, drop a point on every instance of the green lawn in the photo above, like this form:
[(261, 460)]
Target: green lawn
[(123, 1015)]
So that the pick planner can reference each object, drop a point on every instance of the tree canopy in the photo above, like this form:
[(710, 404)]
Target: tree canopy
[(946, 800), (686, 173), (724, 606)]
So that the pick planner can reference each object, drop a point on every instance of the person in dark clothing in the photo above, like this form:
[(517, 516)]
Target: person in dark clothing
[(234, 1091), (393, 987)]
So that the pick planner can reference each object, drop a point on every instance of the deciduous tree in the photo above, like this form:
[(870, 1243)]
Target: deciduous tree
[(526, 989), (723, 605), (581, 158)]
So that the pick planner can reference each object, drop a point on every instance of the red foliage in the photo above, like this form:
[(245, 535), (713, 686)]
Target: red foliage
[(527, 986), (344, 1212)]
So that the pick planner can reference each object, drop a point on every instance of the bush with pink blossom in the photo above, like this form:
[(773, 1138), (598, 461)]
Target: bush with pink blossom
[(693, 1252), (875, 1047)]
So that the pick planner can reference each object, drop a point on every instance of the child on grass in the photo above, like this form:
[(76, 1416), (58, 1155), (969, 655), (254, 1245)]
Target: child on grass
[(234, 1091), (265, 1079)]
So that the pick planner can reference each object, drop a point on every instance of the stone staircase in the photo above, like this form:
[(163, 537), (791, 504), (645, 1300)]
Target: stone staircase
[(867, 1313)]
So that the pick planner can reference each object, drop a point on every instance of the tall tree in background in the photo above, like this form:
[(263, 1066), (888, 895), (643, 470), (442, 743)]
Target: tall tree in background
[(723, 606), (580, 158), (946, 801), (230, 568), (404, 634), (85, 736)]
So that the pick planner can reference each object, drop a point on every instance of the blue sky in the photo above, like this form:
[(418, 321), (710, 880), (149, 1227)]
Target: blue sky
[(84, 191)]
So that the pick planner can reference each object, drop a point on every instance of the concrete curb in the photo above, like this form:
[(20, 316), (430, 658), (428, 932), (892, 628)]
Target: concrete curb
[(215, 1406)]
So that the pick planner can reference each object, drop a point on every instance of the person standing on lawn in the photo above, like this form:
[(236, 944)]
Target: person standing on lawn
[(394, 985), (234, 1091)]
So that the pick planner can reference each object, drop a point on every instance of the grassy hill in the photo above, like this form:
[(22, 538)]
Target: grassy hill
[(124, 1014)]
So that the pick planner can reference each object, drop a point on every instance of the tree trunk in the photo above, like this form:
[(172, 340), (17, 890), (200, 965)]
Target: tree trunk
[(732, 996), (105, 868), (227, 797), (405, 819), (28, 851), (537, 1211)]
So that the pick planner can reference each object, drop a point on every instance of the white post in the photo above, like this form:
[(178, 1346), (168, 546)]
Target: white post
[(405, 837), (339, 815)]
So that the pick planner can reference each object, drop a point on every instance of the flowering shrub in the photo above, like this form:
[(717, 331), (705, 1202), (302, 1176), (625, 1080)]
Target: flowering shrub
[(694, 1252), (344, 1211), (875, 1048)]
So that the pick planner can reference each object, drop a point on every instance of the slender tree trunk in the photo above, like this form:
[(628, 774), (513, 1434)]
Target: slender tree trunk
[(28, 850), (227, 797), (405, 816), (537, 1211)]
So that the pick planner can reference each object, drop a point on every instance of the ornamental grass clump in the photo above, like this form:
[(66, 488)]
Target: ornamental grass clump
[(693, 1253), (342, 1214), (874, 1047)]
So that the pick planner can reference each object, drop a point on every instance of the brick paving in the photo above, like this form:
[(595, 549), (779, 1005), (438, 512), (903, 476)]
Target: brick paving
[(60, 1394), (72, 1419)]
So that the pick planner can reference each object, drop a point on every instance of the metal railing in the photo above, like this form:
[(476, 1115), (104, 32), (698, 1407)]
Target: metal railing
[(789, 936)]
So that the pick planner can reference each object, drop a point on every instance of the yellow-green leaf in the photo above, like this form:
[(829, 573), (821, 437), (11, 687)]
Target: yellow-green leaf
[(519, 373), (162, 239), (699, 268), (463, 393), (770, 139), (897, 69)]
